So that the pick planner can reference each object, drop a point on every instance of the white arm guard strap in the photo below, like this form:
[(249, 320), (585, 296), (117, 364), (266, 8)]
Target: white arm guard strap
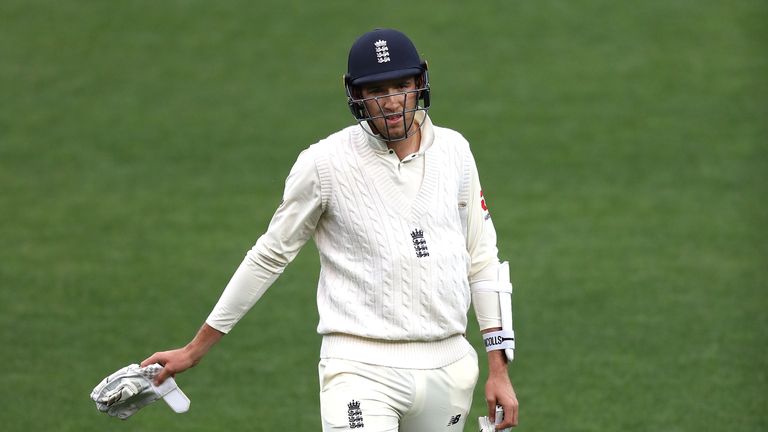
[(504, 339)]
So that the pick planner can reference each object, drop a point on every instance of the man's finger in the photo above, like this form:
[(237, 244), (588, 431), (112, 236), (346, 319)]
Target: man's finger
[(163, 375), (510, 416), (491, 410), (148, 361), (516, 413), (154, 358)]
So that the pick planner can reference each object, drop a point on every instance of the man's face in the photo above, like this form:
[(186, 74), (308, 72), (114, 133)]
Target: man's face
[(388, 100)]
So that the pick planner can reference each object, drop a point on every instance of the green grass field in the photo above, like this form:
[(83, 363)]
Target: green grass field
[(623, 149)]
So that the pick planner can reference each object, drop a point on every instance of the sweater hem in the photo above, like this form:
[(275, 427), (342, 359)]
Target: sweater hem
[(397, 354)]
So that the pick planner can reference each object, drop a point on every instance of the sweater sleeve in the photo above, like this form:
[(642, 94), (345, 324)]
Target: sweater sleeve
[(291, 226), (481, 245)]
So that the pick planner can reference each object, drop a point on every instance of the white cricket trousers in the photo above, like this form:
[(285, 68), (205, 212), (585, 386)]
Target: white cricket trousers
[(361, 397)]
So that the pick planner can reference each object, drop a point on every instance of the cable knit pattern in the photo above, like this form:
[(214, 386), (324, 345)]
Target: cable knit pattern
[(374, 283)]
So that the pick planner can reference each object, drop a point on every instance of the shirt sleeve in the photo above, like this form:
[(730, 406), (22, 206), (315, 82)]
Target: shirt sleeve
[(291, 226), (484, 254)]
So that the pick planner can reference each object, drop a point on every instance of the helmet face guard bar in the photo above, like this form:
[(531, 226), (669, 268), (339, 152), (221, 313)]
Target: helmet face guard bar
[(360, 111)]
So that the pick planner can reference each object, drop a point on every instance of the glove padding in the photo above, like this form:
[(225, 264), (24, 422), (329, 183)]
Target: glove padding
[(130, 389)]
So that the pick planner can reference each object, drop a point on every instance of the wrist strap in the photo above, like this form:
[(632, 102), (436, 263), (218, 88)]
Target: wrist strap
[(499, 340), (172, 395)]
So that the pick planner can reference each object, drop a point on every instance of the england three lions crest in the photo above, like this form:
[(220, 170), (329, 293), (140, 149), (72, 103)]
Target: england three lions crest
[(419, 243), (355, 415)]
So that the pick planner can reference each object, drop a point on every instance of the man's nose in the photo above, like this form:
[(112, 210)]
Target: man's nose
[(393, 101)]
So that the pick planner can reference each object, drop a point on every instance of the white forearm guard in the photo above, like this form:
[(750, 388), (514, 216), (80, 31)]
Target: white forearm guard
[(505, 338)]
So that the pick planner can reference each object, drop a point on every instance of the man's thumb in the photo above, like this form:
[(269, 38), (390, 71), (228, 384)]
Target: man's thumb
[(162, 376)]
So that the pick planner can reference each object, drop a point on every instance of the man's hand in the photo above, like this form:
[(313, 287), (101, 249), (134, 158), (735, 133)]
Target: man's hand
[(173, 361), (180, 359), (499, 391)]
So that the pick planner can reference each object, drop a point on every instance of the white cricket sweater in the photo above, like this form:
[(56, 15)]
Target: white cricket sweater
[(395, 262)]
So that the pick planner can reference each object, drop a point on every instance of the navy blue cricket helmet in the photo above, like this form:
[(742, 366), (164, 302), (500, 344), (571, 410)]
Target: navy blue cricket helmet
[(382, 55)]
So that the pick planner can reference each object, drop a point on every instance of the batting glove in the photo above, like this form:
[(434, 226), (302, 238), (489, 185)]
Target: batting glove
[(130, 389)]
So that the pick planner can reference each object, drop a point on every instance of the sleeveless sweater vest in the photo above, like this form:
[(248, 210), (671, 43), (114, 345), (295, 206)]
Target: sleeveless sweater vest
[(393, 282)]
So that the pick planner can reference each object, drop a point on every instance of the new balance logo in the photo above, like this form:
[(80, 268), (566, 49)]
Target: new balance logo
[(354, 414), (454, 420), (419, 243)]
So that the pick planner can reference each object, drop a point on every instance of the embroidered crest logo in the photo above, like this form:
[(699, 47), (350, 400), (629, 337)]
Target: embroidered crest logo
[(382, 51), (355, 414), (419, 243), (486, 212)]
